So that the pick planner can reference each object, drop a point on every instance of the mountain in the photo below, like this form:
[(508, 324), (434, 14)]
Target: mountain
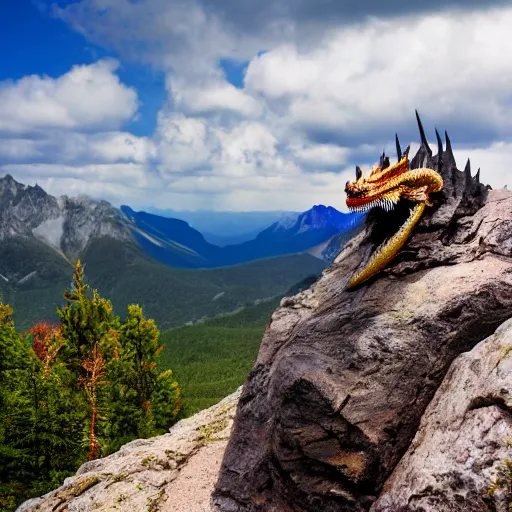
[(42, 236), (170, 241), (293, 233), (300, 232), (174, 242), (65, 224)]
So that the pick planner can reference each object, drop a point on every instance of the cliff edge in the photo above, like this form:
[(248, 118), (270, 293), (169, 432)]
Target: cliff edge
[(343, 377)]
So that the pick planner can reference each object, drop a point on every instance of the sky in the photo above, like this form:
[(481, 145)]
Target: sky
[(242, 105)]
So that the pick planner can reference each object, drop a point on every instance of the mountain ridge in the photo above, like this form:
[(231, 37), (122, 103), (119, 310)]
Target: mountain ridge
[(68, 224), (293, 233), (42, 236)]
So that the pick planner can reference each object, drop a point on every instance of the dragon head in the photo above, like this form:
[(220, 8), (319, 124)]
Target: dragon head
[(386, 184), (383, 188)]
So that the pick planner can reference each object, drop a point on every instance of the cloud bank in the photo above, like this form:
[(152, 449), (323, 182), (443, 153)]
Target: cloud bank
[(330, 90)]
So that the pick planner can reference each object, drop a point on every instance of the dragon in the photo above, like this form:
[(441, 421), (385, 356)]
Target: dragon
[(384, 187)]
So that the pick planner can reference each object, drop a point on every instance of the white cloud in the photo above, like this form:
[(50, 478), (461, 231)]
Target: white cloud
[(250, 149), (493, 160), (215, 96), (71, 148), (320, 155), (119, 147), (310, 106), (183, 143), (450, 65), (131, 175), (85, 98)]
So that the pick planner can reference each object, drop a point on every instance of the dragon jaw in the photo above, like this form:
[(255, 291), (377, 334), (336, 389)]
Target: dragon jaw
[(385, 186)]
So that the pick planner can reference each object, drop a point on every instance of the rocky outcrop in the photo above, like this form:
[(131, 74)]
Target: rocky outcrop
[(173, 472), (343, 377), (463, 440)]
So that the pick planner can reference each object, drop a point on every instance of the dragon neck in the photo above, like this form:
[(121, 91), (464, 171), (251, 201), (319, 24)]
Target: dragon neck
[(389, 249)]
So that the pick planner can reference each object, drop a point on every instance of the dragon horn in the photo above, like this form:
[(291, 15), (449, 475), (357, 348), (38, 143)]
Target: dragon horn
[(398, 148), (359, 172), (422, 134)]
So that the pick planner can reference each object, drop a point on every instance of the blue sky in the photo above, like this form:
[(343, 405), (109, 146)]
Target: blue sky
[(252, 105), (40, 43)]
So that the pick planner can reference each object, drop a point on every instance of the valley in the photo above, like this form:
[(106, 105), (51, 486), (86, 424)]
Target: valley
[(161, 263)]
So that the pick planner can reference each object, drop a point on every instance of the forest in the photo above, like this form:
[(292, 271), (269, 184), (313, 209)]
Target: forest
[(77, 390)]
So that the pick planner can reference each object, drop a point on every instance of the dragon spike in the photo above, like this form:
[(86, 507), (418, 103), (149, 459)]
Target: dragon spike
[(422, 134), (467, 171), (476, 177), (439, 151), (439, 143), (359, 172), (406, 152), (398, 148), (451, 158)]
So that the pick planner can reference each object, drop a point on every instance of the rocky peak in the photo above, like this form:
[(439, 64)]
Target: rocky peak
[(343, 377), (65, 223)]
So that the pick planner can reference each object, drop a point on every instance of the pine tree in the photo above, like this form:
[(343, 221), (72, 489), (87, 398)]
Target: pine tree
[(16, 459), (88, 327), (86, 320), (137, 381), (166, 401)]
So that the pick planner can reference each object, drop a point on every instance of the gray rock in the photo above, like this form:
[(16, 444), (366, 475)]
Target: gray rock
[(343, 377), (461, 442)]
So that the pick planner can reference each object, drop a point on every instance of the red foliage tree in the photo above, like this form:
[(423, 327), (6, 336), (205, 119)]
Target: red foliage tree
[(41, 334), (47, 340)]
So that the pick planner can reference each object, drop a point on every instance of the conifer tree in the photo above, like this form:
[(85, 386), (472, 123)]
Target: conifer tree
[(86, 320), (88, 327), (138, 381), (40, 415)]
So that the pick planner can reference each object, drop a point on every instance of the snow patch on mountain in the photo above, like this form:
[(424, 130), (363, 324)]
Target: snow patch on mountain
[(287, 221), (27, 277), (50, 231), (147, 237)]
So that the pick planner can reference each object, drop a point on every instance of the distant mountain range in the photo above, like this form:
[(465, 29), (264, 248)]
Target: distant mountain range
[(144, 258), (174, 242), (225, 228)]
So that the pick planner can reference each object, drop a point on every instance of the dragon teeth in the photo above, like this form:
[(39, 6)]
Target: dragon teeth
[(386, 204)]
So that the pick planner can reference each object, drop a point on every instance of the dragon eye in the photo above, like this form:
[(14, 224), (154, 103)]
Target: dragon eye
[(359, 172)]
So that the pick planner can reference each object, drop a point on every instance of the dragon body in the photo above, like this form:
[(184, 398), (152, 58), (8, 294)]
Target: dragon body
[(384, 187)]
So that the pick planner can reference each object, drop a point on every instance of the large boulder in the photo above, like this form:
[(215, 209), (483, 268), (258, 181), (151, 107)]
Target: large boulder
[(343, 377), (457, 458)]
